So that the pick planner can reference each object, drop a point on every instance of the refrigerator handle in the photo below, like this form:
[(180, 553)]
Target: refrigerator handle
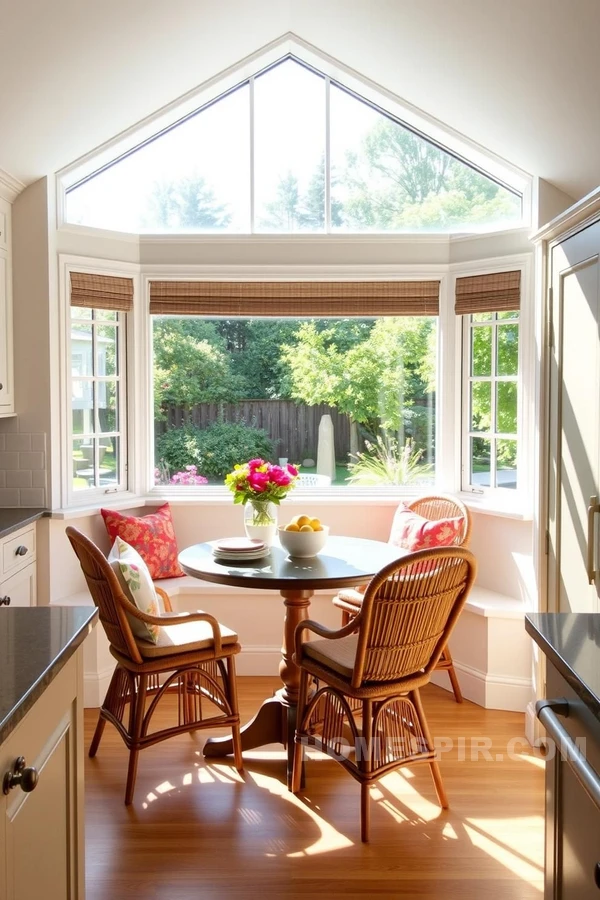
[(593, 508)]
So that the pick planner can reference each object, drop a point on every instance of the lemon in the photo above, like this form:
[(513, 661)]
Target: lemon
[(292, 527), (315, 524), (305, 528), (303, 520)]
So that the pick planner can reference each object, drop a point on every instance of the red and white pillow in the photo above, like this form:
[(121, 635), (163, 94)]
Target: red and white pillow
[(153, 536), (413, 532)]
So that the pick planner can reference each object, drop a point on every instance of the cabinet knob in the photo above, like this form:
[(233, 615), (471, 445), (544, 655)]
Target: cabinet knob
[(25, 777), (1, 385), (21, 550), (597, 875), (5, 601)]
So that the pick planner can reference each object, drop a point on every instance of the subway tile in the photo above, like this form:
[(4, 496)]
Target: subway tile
[(38, 442), (30, 460), (2, 443), (2, 478), (9, 425), (9, 497), (20, 443), (21, 478), (33, 497), (10, 461), (38, 478)]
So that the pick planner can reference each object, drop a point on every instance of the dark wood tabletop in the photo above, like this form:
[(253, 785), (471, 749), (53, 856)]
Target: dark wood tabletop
[(343, 562)]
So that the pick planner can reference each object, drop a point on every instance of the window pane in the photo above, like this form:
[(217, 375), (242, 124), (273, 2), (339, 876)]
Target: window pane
[(508, 350), (481, 351), (226, 391), (506, 464), (482, 317), (508, 314), (480, 462), (386, 178), (82, 403), (106, 350), (481, 405), (109, 461), (506, 407), (107, 406), (193, 178), (289, 150), (81, 349), (105, 315)]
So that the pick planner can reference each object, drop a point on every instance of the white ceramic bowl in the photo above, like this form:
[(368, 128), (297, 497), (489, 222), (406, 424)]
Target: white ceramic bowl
[(303, 543)]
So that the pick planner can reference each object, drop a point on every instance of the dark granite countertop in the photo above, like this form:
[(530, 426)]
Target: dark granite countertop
[(35, 643), (13, 519), (571, 641)]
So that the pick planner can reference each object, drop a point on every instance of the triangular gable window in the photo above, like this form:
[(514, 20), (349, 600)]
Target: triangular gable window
[(291, 151)]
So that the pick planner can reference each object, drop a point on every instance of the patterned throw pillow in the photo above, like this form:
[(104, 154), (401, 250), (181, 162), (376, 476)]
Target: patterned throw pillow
[(413, 532), (135, 580), (153, 536)]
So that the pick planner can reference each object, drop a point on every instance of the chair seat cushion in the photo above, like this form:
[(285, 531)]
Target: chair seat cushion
[(338, 655), (184, 638)]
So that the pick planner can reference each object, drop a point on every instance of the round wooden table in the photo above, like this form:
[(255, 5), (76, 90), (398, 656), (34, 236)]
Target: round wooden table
[(344, 562)]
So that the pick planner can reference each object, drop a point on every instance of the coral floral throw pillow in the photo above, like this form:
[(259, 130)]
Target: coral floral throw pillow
[(153, 537), (413, 532)]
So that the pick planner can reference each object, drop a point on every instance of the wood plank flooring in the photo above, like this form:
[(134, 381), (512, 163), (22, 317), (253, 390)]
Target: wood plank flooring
[(199, 830)]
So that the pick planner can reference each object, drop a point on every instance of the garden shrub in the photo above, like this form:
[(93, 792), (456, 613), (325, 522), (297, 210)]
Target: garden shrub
[(213, 450)]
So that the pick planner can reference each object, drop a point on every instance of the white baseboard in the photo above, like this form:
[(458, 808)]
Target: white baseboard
[(490, 691), (95, 686)]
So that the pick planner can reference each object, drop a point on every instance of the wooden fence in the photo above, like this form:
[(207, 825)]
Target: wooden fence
[(293, 427)]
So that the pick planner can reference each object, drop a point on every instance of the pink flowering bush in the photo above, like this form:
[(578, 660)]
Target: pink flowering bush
[(261, 481), (189, 476)]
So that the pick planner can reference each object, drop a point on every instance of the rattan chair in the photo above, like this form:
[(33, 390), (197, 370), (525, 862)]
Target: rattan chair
[(370, 672), (196, 661), (433, 507)]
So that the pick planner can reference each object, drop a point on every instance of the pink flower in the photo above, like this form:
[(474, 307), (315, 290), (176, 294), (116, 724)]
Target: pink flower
[(279, 476), (258, 481), (255, 464), (292, 470)]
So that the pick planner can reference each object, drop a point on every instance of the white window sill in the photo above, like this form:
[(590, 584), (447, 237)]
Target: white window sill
[(216, 496)]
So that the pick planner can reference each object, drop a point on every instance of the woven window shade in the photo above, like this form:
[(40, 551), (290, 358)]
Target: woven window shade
[(295, 298), (101, 291), (497, 292)]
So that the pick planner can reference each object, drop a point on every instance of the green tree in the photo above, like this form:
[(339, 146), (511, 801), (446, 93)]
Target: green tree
[(189, 371), (185, 203), (399, 181), (283, 213), (375, 380)]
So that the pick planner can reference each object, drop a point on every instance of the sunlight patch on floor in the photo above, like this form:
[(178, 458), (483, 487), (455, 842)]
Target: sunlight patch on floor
[(330, 839), (502, 840)]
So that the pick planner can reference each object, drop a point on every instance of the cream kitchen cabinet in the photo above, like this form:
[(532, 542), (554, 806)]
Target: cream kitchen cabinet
[(18, 568), (41, 757), (7, 396)]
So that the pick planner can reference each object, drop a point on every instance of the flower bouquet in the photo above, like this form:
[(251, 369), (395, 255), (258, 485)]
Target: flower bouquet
[(261, 486)]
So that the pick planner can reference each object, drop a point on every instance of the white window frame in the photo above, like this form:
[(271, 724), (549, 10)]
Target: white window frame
[(523, 496), (449, 140), (126, 354)]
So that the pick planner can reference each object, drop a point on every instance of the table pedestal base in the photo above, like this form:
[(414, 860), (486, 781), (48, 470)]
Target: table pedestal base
[(274, 723)]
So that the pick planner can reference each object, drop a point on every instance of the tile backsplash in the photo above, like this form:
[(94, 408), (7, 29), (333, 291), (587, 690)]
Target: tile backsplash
[(22, 468)]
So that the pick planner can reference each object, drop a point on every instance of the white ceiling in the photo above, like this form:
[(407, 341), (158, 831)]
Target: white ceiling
[(520, 77)]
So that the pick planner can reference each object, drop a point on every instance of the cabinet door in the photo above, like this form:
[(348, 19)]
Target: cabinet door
[(574, 422), (6, 345), (43, 842), (21, 589)]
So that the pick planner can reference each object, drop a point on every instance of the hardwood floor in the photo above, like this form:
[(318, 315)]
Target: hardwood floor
[(199, 830)]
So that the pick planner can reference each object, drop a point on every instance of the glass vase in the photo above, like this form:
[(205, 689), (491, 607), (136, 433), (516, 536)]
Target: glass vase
[(260, 520)]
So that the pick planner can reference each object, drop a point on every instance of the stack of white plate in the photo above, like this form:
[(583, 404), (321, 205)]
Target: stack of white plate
[(238, 549)]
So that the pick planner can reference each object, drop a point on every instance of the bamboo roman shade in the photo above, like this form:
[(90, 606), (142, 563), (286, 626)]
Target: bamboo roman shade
[(295, 298), (101, 291), (497, 292)]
